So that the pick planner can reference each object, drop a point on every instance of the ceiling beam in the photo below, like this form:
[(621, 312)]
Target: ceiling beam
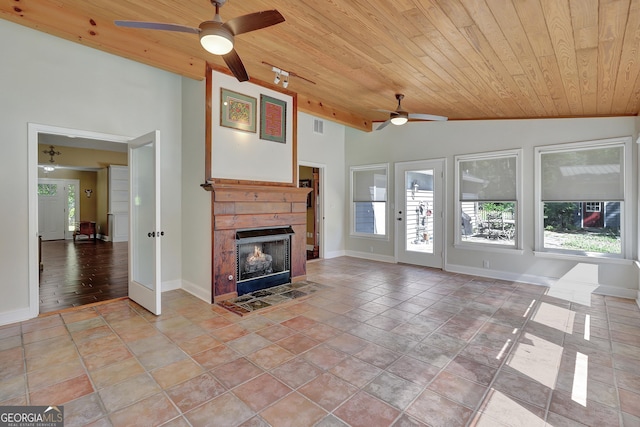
[(322, 110)]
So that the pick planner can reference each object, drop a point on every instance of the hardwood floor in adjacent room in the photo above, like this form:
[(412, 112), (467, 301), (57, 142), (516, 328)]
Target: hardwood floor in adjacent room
[(82, 273)]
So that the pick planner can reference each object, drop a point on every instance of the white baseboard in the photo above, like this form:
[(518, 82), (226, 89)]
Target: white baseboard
[(15, 316), (614, 291), (371, 256), (540, 280), (309, 247), (500, 275), (334, 254), (197, 291), (171, 285)]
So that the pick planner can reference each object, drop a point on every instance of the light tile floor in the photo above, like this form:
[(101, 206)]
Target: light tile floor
[(386, 345)]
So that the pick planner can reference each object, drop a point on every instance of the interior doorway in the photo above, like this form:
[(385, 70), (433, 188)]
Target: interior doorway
[(62, 251), (312, 175)]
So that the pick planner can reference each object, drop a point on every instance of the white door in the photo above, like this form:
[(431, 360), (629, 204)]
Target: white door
[(419, 212), (145, 233), (52, 211)]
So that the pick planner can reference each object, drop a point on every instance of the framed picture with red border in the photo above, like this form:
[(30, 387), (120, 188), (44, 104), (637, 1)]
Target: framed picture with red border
[(273, 119)]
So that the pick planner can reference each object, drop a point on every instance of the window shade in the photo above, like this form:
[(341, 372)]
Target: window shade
[(370, 185), (489, 180), (583, 175)]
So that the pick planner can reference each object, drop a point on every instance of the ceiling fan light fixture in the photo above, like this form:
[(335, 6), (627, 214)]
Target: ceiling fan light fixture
[(215, 38), (399, 119)]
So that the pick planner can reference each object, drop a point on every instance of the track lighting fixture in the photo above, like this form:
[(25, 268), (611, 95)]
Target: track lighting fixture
[(281, 75)]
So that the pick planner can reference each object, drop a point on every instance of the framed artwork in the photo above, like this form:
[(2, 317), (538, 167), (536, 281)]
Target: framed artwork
[(237, 111), (273, 119), (306, 183)]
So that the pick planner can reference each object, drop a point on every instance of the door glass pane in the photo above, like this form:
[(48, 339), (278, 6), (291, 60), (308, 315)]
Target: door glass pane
[(71, 206), (47, 189), (418, 186), (143, 216)]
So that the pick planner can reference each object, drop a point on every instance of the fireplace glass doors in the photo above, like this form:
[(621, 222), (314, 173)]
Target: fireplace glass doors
[(262, 258)]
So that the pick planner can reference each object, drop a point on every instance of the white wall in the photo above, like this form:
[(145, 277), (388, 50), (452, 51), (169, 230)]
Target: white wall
[(55, 82), (328, 150), (430, 140), (196, 202)]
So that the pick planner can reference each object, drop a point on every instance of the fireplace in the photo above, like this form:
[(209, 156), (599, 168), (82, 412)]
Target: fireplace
[(240, 211), (263, 258)]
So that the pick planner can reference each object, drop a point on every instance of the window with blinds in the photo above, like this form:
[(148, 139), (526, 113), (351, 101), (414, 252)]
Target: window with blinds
[(582, 194), (369, 200), (488, 189)]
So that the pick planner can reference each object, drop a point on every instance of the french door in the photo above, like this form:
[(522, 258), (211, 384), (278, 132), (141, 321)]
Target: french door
[(419, 204), (144, 242)]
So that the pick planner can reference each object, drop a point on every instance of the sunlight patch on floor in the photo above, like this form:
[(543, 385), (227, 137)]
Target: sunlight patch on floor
[(577, 284), (536, 358), (501, 408), (580, 375), (559, 318)]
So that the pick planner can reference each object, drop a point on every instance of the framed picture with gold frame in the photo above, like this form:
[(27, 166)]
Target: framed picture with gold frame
[(237, 111)]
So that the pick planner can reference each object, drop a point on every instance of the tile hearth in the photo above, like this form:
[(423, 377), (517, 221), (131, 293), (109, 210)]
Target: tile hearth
[(383, 345), (269, 297)]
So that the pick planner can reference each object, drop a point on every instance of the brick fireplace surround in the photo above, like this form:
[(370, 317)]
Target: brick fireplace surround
[(237, 206)]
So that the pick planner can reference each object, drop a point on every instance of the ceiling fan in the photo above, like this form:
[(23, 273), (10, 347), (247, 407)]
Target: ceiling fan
[(400, 116), (217, 37)]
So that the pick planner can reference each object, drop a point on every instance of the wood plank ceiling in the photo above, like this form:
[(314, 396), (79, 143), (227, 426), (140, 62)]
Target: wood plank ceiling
[(465, 59)]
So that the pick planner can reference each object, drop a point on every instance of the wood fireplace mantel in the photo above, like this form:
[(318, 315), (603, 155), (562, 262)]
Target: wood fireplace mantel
[(237, 206)]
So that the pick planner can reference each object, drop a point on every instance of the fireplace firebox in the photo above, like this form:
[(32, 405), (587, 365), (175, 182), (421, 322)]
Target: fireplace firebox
[(263, 258)]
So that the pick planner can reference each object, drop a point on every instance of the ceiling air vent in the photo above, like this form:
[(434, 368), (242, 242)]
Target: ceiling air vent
[(318, 126)]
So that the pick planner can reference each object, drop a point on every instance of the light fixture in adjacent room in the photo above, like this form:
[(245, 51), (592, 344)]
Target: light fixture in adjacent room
[(48, 168), (52, 152)]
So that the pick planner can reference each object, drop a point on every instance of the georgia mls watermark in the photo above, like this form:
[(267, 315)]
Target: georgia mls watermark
[(31, 416)]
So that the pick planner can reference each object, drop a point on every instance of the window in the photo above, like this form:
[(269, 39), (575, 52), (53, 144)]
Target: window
[(488, 188), (47, 189), (582, 198), (369, 197)]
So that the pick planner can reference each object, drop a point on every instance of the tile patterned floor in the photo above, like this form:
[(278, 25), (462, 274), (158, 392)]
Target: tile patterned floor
[(386, 345)]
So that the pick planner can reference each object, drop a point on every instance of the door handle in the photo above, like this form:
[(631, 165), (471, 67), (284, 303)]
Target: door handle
[(399, 219), (151, 234)]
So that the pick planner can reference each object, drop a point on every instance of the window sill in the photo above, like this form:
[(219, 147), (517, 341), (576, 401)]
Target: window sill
[(369, 236), (489, 248), (594, 259)]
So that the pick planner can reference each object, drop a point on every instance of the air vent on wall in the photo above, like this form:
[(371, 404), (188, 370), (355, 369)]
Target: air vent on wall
[(318, 126)]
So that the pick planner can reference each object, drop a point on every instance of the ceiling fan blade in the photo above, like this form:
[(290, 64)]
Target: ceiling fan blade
[(157, 26), (234, 63), (427, 117), (383, 125), (254, 21)]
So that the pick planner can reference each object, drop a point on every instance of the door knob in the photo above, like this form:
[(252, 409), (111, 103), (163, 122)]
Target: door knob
[(399, 219), (152, 234)]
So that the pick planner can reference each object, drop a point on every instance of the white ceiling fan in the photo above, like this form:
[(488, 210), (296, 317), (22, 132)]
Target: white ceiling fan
[(400, 116)]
